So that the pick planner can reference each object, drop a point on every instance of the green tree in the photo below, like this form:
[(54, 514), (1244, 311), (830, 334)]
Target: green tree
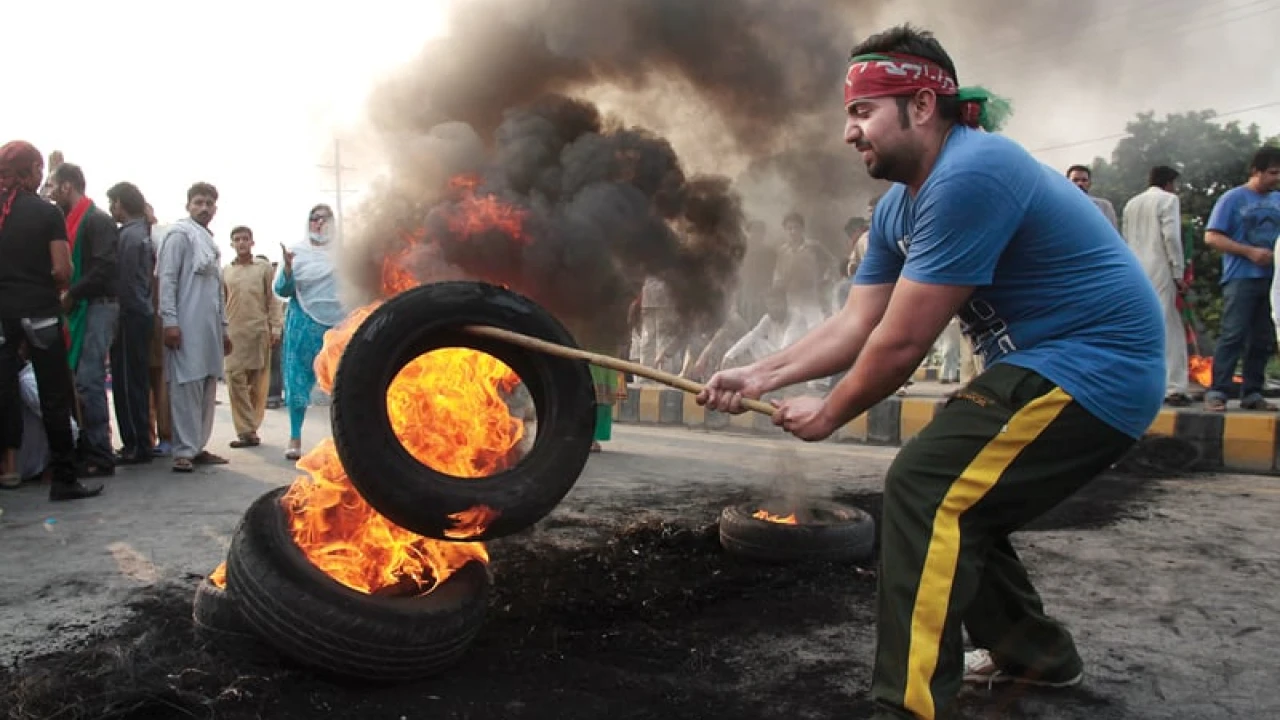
[(1212, 157)]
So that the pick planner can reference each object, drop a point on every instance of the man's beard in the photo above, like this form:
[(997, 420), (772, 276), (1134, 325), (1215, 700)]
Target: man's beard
[(892, 166)]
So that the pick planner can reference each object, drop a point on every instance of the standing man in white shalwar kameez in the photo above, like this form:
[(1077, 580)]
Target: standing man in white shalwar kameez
[(195, 327), (1153, 230)]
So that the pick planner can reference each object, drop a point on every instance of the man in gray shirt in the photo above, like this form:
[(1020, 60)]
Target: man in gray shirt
[(131, 351), (194, 315), (1082, 176)]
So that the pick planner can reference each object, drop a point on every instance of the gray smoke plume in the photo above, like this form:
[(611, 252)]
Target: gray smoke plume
[(603, 203), (748, 89)]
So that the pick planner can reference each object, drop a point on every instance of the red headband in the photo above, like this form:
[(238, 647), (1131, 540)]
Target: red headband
[(894, 74)]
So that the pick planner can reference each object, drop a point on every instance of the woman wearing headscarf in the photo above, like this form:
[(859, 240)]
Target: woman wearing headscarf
[(307, 279)]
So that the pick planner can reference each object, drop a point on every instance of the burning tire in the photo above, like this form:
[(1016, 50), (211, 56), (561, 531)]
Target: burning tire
[(310, 617), (817, 530), (215, 615), (418, 497)]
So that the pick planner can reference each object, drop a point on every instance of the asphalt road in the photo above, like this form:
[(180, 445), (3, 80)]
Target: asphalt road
[(1175, 610)]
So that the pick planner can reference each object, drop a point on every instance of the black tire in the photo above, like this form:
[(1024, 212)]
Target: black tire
[(828, 531), (311, 618), (217, 619), (417, 497)]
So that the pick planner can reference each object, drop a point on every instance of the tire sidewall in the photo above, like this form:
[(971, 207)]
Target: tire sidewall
[(416, 496)]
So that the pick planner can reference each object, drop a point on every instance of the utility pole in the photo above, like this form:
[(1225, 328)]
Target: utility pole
[(337, 168)]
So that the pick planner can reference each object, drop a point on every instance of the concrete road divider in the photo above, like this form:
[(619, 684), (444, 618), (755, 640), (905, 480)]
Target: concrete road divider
[(1237, 441)]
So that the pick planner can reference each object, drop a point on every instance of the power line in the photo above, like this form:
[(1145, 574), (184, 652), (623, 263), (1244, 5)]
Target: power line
[(1117, 136), (1162, 28)]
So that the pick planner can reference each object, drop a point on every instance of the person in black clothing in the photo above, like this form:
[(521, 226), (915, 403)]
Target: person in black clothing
[(37, 261), (92, 313), (131, 351)]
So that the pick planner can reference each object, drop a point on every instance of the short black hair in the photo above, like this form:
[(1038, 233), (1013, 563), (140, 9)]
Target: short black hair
[(793, 217), (321, 206), (241, 229), (1162, 175), (69, 173), (910, 40), (129, 197), (1267, 157), (1082, 168), (202, 188)]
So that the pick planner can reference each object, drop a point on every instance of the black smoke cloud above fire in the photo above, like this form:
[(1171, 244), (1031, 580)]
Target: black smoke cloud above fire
[(606, 204)]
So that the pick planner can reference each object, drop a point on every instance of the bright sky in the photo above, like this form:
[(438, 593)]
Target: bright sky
[(245, 95)]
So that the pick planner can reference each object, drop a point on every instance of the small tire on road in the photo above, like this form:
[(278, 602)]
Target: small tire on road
[(318, 622), (825, 531), (420, 498)]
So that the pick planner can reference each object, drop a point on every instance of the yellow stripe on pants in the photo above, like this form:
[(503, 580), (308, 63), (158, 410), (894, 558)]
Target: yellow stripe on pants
[(933, 597)]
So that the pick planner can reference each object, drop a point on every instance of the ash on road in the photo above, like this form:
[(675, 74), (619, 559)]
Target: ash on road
[(620, 604)]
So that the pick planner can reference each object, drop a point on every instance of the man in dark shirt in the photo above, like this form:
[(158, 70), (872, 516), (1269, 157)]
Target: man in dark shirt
[(37, 260), (92, 311), (131, 351)]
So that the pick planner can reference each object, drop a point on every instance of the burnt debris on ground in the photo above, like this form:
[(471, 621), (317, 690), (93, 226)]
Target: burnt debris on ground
[(641, 626), (651, 620)]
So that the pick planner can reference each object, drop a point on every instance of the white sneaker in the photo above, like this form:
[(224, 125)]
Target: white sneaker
[(980, 669)]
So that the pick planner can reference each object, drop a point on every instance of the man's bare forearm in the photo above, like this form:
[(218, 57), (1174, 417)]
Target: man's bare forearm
[(886, 364), (1222, 243)]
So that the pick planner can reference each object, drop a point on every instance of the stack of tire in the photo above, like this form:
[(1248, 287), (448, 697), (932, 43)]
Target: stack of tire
[(275, 595)]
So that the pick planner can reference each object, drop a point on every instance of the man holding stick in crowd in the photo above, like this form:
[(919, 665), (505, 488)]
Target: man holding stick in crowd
[(1072, 338)]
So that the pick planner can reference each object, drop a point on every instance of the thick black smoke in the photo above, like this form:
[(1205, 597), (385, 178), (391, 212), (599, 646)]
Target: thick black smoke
[(605, 203)]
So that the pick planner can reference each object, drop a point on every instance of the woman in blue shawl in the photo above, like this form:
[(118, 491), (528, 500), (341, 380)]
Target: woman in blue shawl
[(308, 281)]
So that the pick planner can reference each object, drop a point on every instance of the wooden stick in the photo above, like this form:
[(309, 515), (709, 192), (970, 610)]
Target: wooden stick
[(605, 361)]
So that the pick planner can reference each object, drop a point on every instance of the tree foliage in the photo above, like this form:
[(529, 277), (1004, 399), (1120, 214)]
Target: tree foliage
[(1212, 157)]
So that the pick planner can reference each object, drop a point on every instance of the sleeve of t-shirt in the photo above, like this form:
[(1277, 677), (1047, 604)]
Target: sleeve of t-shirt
[(1223, 217), (963, 224), (55, 224), (880, 265)]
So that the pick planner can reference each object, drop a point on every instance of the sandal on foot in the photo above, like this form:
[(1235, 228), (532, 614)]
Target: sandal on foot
[(208, 458), (1216, 405), (183, 465), (246, 441)]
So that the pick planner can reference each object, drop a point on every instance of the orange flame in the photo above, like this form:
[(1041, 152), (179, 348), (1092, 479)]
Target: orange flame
[(448, 411), (219, 576), (350, 542), (474, 215), (446, 408), (780, 519), (1201, 369)]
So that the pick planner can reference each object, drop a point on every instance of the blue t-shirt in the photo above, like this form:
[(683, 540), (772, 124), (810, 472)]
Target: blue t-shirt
[(1056, 289), (1249, 218)]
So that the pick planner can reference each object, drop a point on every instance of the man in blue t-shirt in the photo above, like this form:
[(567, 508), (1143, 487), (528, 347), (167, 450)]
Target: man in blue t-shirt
[(1071, 333), (1243, 227)]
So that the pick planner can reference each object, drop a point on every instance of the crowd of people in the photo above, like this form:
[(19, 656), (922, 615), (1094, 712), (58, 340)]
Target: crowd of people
[(93, 300), (786, 289), (1244, 226), (115, 297)]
